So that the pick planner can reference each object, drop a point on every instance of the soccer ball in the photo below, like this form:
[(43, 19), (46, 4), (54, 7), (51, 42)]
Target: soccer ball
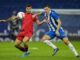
[(21, 15)]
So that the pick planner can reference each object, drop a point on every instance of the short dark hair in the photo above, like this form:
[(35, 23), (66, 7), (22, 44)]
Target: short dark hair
[(47, 6), (28, 5)]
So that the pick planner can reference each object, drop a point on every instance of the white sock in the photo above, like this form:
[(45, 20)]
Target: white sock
[(50, 44), (73, 49)]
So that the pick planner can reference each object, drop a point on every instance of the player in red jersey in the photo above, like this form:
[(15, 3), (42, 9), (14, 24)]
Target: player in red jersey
[(27, 29)]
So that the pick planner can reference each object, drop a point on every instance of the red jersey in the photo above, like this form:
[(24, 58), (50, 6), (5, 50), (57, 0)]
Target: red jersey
[(27, 27), (27, 22)]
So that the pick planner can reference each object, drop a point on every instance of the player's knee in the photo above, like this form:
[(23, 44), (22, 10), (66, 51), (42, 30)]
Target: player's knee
[(44, 38), (16, 45), (66, 42), (25, 41)]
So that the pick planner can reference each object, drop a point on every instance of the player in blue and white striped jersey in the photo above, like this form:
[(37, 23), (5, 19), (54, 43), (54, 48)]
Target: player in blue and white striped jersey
[(54, 24), (55, 29)]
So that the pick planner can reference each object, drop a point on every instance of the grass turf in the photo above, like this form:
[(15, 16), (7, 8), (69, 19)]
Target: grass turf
[(39, 51)]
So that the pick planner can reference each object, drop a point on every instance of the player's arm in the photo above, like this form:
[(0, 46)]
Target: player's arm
[(10, 19), (8, 26), (36, 14), (57, 19), (41, 22), (20, 15), (58, 27)]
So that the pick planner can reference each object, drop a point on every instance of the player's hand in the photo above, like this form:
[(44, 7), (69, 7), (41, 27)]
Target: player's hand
[(2, 20), (44, 20), (57, 33), (8, 28)]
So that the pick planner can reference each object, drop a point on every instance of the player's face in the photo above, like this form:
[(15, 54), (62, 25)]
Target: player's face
[(29, 10), (47, 9)]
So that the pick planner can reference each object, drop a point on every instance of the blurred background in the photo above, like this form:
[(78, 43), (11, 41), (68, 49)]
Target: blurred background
[(68, 10)]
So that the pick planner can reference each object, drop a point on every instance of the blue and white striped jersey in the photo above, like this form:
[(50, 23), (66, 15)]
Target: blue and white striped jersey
[(52, 20)]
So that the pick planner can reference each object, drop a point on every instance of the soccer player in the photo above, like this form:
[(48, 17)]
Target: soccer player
[(15, 27), (27, 29), (55, 29)]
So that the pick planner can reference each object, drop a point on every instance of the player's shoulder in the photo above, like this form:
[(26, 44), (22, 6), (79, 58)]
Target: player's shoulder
[(52, 12)]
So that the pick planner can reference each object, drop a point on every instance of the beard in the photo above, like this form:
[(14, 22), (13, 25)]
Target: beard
[(28, 12)]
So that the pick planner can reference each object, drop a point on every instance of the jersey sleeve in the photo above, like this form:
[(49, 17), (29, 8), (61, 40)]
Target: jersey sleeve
[(43, 13), (35, 19), (55, 16)]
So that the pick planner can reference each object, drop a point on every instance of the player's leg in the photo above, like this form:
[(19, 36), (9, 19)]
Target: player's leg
[(25, 42), (11, 36), (28, 35), (67, 42), (46, 39), (17, 44), (18, 41)]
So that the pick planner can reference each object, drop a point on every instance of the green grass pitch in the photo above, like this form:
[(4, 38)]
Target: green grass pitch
[(39, 51)]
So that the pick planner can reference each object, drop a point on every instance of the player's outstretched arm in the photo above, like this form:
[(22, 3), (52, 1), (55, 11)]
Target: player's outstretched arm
[(2, 20), (9, 19), (12, 18), (41, 22), (36, 14)]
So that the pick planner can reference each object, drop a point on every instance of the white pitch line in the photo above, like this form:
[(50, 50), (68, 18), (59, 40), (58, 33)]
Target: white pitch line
[(34, 48)]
